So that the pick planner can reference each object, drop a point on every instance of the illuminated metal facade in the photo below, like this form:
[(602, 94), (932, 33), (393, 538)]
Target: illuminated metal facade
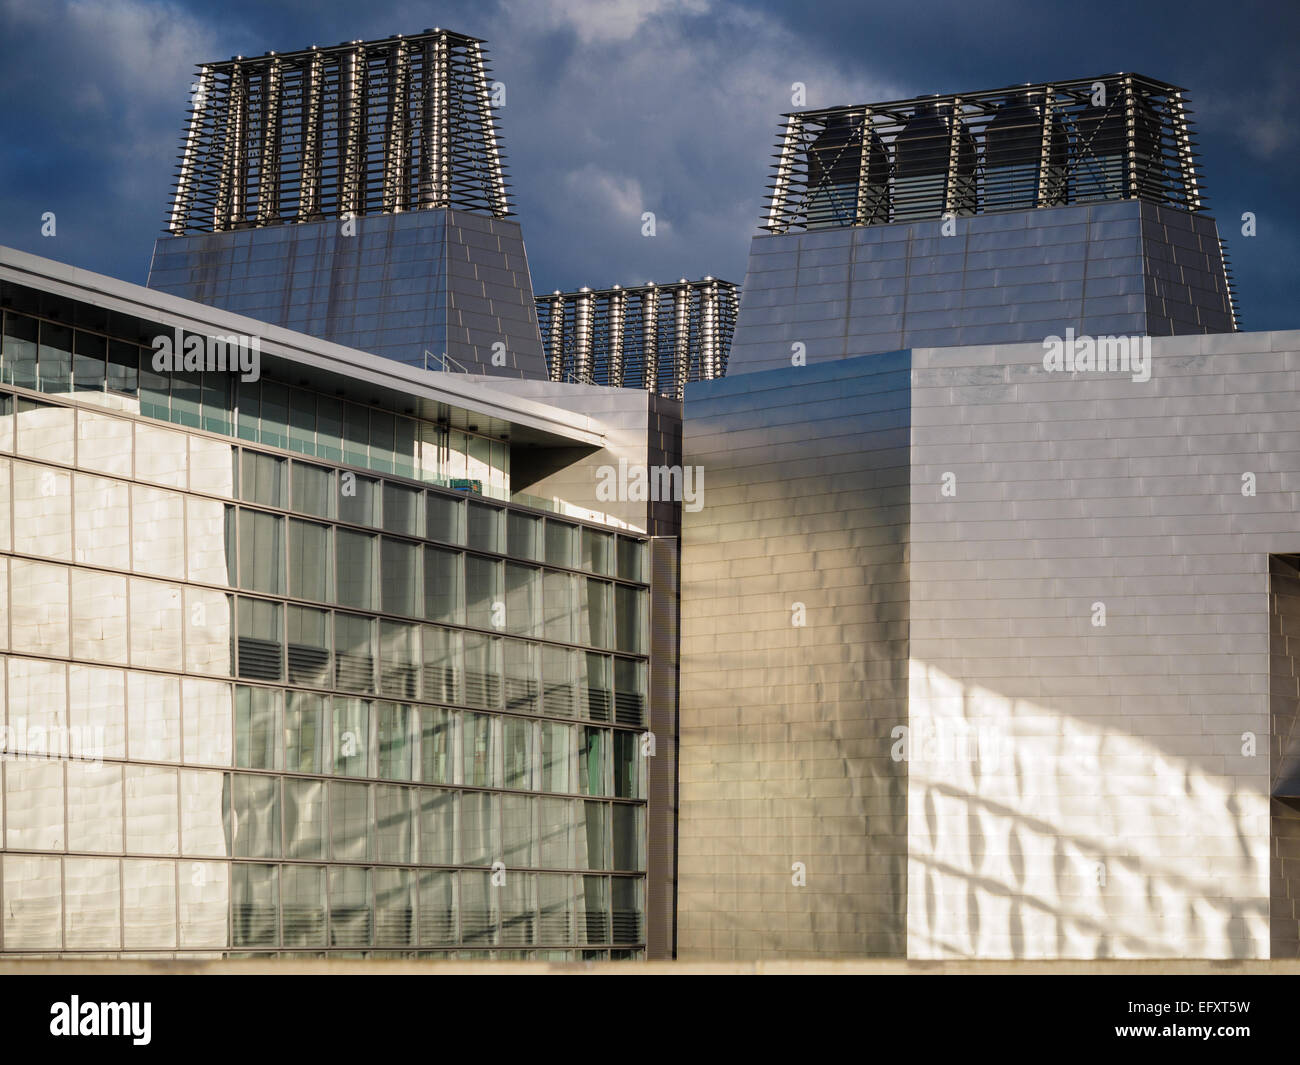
[(363, 128), (656, 337)]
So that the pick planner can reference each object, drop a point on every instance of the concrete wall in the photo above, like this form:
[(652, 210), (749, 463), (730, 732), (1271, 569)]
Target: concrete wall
[(1104, 269), (794, 650), (1114, 808), (436, 280)]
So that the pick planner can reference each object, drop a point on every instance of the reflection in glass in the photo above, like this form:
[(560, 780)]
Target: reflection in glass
[(304, 818), (306, 731), (310, 570), (309, 646), (444, 600), (255, 826), (354, 652), (356, 569), (400, 566), (255, 905), (148, 905), (257, 727), (304, 906)]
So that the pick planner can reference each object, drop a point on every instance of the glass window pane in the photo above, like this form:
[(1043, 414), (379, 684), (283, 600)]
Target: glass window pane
[(592, 754), (520, 758), (257, 727), (34, 805), (627, 765), (438, 916), (560, 607), (523, 536), (94, 892), (402, 587), (627, 837), (206, 713), (478, 764), (554, 833), (435, 744), (443, 665), (598, 551), (309, 646), (261, 639), (518, 831), (350, 822), (482, 670), (484, 527), (631, 554), (560, 540), (204, 905), (205, 813), (557, 757), (351, 732), (255, 825), (394, 907), (595, 855), (313, 490), (304, 906), (484, 592), (356, 569), (54, 371), (395, 823), (94, 807), (104, 443), (446, 518), (629, 619), (444, 598), (559, 681), (123, 367), (148, 905), (304, 818), (275, 415), (402, 509), (88, 368), (46, 432), (329, 429), (155, 623), (437, 826), (358, 498), (20, 350), (160, 456), (310, 570), (478, 909), (351, 917), (302, 421), (154, 717), (152, 810), (523, 687), (261, 552), (395, 740), (33, 909), (597, 682), (255, 905), (399, 659), (354, 652), (263, 479), (523, 599), (479, 836), (306, 734)]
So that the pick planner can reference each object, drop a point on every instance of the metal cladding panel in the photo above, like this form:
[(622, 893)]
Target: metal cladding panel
[(396, 285), (794, 664), (1091, 650), (1103, 269), (662, 785)]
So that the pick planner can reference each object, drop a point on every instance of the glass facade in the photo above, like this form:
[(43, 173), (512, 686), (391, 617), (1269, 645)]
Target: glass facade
[(276, 693)]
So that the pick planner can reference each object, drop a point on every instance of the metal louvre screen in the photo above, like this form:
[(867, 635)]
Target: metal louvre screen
[(360, 128), (1114, 137), (656, 337)]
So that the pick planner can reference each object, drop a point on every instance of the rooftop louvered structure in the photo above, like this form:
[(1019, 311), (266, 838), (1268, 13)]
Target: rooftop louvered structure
[(654, 336), (1113, 137), (362, 128)]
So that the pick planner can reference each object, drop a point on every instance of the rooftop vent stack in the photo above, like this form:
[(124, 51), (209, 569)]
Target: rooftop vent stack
[(834, 162), (396, 154), (1014, 145), (582, 337), (962, 190), (650, 337), (313, 90), (617, 320), (921, 152)]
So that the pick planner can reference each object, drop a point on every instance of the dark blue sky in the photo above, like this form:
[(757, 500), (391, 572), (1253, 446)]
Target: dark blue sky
[(615, 107)]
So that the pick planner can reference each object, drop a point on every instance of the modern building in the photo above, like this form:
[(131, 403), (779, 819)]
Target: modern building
[(987, 640), (359, 602), (310, 649)]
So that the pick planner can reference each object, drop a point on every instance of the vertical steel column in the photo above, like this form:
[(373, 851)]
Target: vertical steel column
[(709, 330), (864, 171), (268, 166), (650, 337), (1186, 161), (351, 130), (183, 202), (557, 336), (496, 191), (1044, 197), (234, 167), (433, 124), (1130, 138), (955, 127), (396, 162), (582, 336), (617, 317), (681, 337), (313, 92)]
